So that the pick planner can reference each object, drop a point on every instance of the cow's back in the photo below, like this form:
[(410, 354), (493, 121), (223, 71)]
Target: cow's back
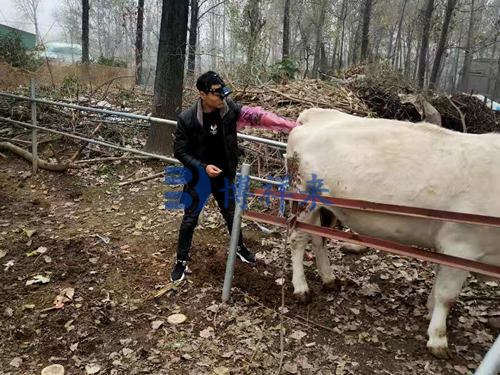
[(401, 163)]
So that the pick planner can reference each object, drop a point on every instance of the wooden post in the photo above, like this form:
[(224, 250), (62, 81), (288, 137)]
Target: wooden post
[(34, 133)]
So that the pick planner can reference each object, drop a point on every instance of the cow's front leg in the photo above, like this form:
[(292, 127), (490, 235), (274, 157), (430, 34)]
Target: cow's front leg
[(447, 287)]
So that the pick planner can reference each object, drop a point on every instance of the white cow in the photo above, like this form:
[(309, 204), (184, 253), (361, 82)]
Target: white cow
[(396, 162)]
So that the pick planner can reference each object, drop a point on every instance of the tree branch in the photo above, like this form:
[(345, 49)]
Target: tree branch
[(209, 9)]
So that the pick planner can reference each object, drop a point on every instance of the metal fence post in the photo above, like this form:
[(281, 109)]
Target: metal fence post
[(235, 234), (34, 132), (491, 363)]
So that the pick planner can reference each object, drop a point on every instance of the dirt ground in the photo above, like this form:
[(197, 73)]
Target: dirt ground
[(115, 325)]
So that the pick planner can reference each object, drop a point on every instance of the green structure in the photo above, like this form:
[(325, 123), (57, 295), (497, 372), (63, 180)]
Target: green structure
[(29, 39)]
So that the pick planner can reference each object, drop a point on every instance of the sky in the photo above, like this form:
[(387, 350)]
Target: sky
[(10, 16)]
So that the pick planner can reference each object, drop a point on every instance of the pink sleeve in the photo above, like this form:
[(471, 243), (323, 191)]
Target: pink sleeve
[(257, 117)]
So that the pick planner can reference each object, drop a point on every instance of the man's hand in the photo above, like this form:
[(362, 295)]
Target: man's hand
[(212, 171)]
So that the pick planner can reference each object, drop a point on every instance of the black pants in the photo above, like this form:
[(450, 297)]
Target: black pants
[(190, 218)]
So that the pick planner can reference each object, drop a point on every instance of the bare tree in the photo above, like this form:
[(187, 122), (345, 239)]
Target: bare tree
[(365, 39), (85, 31), (322, 9), (29, 9), (398, 37), (286, 30), (339, 38), (138, 41), (255, 22), (193, 38), (424, 47), (468, 50), (450, 8), (169, 78)]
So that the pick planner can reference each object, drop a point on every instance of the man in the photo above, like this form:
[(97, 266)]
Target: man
[(205, 138)]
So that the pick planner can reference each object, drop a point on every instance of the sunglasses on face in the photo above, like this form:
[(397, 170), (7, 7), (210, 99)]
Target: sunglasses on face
[(216, 91)]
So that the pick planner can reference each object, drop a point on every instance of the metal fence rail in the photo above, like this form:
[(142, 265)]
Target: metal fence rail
[(268, 142), (33, 100)]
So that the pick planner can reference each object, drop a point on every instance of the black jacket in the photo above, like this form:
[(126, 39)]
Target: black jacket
[(189, 145)]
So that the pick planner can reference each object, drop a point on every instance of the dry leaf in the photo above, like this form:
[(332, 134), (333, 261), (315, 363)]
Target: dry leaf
[(177, 318), (157, 324), (291, 368), (221, 370), (16, 362), (370, 290), (461, 369), (206, 333), (92, 369), (38, 279), (53, 370), (298, 335)]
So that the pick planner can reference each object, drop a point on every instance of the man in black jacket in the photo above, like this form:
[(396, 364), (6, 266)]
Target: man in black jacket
[(205, 139)]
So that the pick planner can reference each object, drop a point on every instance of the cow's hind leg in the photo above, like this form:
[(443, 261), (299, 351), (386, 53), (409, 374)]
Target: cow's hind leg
[(298, 242), (325, 218), (447, 287)]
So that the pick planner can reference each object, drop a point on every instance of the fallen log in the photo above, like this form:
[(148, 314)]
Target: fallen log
[(60, 167)]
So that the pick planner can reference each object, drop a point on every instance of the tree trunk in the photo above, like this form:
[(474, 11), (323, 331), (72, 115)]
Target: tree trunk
[(338, 36), (169, 78), (286, 30), (417, 56), (193, 38), (344, 16), (319, 39), (390, 49), (255, 25), (497, 81), (398, 36), (491, 69), (138, 42), (424, 48), (367, 15), (454, 83), (355, 44), (213, 42), (85, 31), (468, 52), (450, 8)]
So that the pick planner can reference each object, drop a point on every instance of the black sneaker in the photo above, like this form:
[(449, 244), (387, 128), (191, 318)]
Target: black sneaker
[(245, 255), (179, 271)]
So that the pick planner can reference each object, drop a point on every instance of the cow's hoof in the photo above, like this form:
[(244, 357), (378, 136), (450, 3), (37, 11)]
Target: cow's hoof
[(439, 348), (441, 352), (304, 297), (333, 285)]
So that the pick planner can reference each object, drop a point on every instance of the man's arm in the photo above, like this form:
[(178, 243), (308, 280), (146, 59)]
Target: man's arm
[(181, 147), (256, 117)]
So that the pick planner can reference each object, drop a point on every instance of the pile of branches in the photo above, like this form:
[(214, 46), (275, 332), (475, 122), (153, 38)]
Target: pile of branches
[(478, 117), (290, 100), (54, 148), (381, 88)]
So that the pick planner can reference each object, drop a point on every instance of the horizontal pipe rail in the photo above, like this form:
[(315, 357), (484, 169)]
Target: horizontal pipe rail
[(390, 209), (388, 246), (94, 141), (110, 145), (268, 142), (91, 109)]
